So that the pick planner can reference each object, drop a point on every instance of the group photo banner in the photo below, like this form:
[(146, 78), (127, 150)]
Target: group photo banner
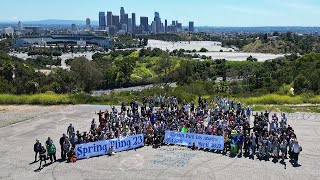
[(200, 140), (102, 147)]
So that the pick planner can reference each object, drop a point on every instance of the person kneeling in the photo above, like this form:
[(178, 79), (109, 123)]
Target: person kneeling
[(72, 156)]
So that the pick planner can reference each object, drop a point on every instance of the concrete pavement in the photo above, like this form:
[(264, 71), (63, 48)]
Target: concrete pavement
[(168, 162)]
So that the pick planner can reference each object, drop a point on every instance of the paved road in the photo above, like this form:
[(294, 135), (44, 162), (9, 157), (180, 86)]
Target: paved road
[(16, 152), (135, 88)]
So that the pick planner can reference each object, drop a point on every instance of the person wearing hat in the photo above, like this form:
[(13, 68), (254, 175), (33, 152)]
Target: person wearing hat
[(36, 149)]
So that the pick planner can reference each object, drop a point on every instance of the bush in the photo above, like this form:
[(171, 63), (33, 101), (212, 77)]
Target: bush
[(203, 50)]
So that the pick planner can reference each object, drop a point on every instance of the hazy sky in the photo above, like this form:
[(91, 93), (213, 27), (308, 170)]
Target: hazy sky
[(203, 12)]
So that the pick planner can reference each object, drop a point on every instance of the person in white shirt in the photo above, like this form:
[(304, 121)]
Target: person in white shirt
[(296, 149)]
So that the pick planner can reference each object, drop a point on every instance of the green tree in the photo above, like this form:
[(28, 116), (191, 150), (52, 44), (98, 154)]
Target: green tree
[(87, 73)]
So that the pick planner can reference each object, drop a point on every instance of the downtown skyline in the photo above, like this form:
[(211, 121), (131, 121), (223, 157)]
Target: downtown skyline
[(205, 13)]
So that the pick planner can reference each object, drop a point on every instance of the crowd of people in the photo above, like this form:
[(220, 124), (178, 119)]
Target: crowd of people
[(264, 137)]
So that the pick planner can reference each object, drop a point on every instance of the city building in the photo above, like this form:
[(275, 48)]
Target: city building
[(134, 25), (129, 25), (144, 24), (124, 28), (116, 22), (157, 19), (32, 29), (88, 24), (122, 13), (109, 19), (126, 19), (102, 20), (74, 28), (165, 26), (20, 28), (8, 31), (154, 27), (83, 39), (191, 26)]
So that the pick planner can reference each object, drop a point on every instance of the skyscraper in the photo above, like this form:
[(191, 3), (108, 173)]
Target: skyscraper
[(102, 20), (154, 27), (133, 22), (191, 26), (109, 18), (144, 24), (157, 19), (116, 22), (129, 25), (125, 19), (122, 12), (88, 24), (165, 26)]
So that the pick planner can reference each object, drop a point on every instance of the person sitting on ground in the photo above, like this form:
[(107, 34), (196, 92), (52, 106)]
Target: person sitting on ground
[(111, 151), (36, 149)]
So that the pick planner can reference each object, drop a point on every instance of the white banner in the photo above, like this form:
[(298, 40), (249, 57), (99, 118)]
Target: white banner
[(200, 140), (102, 147)]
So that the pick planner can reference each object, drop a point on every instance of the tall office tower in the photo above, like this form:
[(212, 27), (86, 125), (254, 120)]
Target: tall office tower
[(173, 23), (157, 19), (144, 24), (115, 22), (88, 24), (102, 20), (133, 22), (191, 26), (154, 27), (165, 26), (130, 25), (179, 27), (126, 19), (122, 12), (109, 18), (20, 28)]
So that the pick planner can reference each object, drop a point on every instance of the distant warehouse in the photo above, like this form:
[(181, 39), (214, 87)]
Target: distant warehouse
[(68, 39)]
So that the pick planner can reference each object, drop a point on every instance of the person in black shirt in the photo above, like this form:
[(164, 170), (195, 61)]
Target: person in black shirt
[(63, 152), (36, 149)]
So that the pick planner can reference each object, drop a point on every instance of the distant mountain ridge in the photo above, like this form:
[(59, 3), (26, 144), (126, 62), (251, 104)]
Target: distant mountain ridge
[(53, 22)]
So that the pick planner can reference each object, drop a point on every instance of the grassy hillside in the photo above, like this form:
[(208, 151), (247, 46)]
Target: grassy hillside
[(273, 47)]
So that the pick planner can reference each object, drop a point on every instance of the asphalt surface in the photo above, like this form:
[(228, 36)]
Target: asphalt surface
[(168, 162)]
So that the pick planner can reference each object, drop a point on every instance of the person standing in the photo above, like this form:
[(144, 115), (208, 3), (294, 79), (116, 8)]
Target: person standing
[(70, 130), (296, 149), (42, 156), (63, 152), (36, 149), (283, 147), (52, 152)]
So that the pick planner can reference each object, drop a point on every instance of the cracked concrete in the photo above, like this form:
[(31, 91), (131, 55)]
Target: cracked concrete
[(16, 151)]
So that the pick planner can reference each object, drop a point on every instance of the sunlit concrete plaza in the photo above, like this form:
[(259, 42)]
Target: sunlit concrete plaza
[(167, 162)]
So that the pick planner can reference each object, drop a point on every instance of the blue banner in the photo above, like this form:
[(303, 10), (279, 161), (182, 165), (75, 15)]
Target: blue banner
[(102, 147), (200, 140)]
